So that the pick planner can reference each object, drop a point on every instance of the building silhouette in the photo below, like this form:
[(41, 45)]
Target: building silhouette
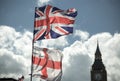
[(7, 79), (98, 71)]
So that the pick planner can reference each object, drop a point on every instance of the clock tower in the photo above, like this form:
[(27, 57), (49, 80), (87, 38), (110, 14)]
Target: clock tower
[(98, 71)]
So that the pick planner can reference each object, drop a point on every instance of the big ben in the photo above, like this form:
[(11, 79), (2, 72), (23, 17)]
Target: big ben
[(98, 71)]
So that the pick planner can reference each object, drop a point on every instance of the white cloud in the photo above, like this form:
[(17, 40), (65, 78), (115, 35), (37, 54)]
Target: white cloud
[(53, 43), (73, 57), (15, 50), (7, 34), (83, 35), (42, 2)]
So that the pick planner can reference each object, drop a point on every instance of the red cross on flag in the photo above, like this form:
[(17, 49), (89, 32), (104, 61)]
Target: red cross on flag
[(47, 64)]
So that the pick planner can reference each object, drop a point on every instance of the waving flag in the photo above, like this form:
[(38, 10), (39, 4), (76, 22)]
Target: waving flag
[(52, 22), (47, 64), (21, 79)]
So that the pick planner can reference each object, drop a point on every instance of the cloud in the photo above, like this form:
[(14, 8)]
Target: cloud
[(78, 69), (83, 35), (53, 43), (15, 53), (79, 57), (42, 2)]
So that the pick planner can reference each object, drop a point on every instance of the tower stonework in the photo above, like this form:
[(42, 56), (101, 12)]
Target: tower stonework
[(98, 71)]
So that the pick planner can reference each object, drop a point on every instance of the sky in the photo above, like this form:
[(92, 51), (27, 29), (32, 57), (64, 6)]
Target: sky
[(96, 20)]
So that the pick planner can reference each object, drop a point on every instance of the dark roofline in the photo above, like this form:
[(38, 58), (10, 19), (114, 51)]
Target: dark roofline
[(8, 79)]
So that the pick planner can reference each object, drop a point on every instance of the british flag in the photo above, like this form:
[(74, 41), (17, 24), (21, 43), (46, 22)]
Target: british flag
[(52, 22)]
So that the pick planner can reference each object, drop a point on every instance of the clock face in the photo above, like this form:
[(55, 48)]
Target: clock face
[(98, 77)]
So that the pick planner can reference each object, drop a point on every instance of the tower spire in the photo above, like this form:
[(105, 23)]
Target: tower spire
[(98, 71), (98, 53), (98, 64)]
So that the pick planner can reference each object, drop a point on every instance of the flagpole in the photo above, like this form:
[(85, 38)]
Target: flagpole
[(32, 61), (32, 58), (32, 51)]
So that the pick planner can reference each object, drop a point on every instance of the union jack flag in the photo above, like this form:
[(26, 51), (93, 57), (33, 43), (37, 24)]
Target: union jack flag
[(52, 22)]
